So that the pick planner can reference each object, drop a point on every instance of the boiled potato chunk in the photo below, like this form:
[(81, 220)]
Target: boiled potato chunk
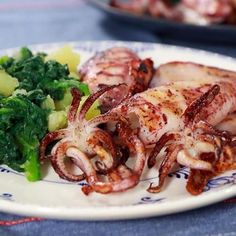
[(65, 102), (48, 103), (65, 55), (57, 120), (93, 110), (7, 84), (74, 76)]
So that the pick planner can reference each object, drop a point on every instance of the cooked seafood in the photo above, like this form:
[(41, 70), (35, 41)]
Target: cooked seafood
[(82, 140), (202, 12), (178, 117), (115, 66), (156, 8), (188, 71)]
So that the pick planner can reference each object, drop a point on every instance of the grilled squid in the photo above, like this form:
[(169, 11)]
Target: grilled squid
[(115, 66), (186, 71), (92, 149), (177, 119)]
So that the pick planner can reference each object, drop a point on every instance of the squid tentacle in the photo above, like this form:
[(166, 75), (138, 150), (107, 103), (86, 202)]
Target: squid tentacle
[(166, 165), (122, 172), (198, 179), (58, 164), (49, 138), (74, 105), (184, 158), (180, 152), (104, 118), (92, 98), (114, 176), (102, 144), (84, 163), (196, 106), (102, 155), (122, 178), (164, 139)]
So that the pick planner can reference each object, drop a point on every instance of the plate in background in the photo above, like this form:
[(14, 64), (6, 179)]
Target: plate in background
[(216, 33)]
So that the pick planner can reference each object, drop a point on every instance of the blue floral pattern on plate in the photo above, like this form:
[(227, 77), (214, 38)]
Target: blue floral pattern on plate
[(6, 196), (149, 200)]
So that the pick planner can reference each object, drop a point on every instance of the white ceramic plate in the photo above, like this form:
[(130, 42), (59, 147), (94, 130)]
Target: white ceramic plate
[(56, 198)]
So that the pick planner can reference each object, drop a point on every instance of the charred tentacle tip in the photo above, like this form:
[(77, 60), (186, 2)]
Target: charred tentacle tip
[(154, 189), (165, 138)]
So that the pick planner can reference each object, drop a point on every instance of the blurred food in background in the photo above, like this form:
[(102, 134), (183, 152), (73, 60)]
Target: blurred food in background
[(199, 12)]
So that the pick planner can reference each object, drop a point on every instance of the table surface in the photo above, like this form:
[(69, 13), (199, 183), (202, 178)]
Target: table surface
[(25, 22)]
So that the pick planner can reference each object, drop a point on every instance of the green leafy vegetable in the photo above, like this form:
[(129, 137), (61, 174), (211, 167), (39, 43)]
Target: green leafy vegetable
[(22, 125), (7, 84), (23, 54), (24, 112), (33, 73)]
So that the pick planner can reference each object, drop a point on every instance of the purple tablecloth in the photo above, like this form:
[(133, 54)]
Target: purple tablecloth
[(30, 22)]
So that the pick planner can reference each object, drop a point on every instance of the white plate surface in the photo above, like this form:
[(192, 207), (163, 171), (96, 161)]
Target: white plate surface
[(58, 199)]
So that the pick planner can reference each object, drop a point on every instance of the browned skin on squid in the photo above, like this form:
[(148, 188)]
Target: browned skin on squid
[(140, 72), (166, 165), (64, 136), (50, 137), (122, 177), (191, 112), (102, 138), (189, 116), (158, 147), (221, 160), (57, 161), (198, 179), (114, 66), (119, 176)]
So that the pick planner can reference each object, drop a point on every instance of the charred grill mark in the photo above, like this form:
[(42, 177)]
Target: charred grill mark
[(164, 118), (172, 106), (169, 93), (190, 95), (143, 68), (117, 65)]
